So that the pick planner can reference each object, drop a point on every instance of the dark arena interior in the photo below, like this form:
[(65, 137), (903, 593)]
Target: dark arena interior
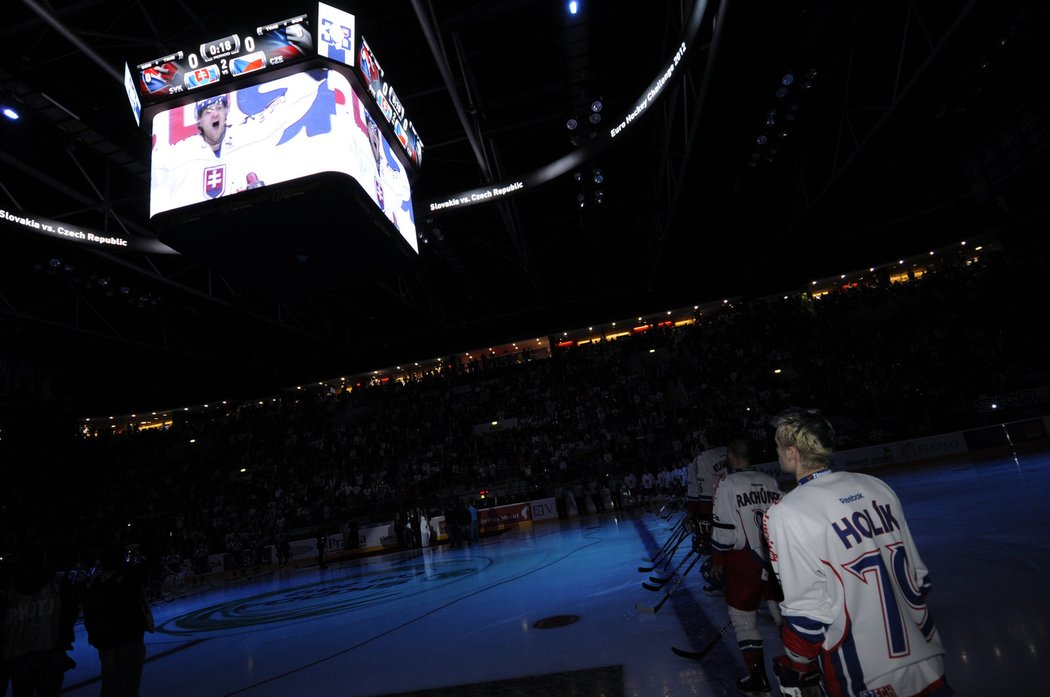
[(628, 227)]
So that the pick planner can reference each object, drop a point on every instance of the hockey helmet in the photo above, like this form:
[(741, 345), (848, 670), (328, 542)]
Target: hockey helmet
[(207, 102)]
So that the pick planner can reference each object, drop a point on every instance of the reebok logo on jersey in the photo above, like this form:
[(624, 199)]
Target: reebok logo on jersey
[(852, 529), (850, 499), (887, 691)]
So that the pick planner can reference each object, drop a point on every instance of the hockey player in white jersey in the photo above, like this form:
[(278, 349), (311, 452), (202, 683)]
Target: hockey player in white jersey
[(702, 474), (738, 553), (855, 587), (195, 168)]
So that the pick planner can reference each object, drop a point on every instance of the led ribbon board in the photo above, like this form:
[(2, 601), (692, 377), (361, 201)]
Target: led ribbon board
[(74, 233), (501, 190)]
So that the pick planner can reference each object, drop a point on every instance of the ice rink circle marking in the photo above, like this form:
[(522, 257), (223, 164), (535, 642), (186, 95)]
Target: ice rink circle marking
[(326, 597)]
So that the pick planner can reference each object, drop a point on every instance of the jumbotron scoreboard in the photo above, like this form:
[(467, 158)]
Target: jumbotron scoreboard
[(253, 52), (257, 53), (271, 103)]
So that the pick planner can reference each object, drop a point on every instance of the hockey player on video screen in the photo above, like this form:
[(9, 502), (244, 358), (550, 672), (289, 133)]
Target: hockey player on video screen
[(390, 183), (268, 133), (285, 129), (227, 154)]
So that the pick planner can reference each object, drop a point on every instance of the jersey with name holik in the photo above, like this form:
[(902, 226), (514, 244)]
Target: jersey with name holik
[(740, 502), (854, 584)]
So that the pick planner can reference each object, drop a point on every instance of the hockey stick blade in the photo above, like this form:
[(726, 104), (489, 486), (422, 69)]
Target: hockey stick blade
[(699, 655), (651, 587), (647, 609), (646, 569)]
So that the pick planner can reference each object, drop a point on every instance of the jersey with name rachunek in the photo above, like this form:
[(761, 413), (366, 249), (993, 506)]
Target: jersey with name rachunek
[(740, 500)]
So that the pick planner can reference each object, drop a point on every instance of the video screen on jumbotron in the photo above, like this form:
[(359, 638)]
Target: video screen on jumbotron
[(288, 128)]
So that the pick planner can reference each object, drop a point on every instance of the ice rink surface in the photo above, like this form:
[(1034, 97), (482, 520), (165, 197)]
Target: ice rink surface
[(559, 608)]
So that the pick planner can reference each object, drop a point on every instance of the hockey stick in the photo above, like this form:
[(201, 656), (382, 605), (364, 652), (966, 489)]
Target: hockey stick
[(669, 548), (667, 557), (673, 506), (669, 504), (661, 582), (675, 530), (652, 610), (698, 655)]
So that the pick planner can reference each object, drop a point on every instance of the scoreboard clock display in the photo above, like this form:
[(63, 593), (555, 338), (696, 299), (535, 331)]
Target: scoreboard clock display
[(224, 59)]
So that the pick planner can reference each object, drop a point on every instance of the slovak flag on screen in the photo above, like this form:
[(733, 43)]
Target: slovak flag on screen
[(202, 76), (248, 64)]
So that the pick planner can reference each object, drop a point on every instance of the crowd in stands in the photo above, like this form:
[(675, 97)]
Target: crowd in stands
[(885, 361)]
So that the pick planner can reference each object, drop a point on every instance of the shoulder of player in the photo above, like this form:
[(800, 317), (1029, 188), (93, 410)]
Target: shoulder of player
[(751, 474), (869, 485)]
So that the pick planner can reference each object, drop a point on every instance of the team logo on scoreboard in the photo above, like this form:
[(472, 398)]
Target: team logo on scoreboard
[(214, 181), (158, 78), (248, 64), (200, 77)]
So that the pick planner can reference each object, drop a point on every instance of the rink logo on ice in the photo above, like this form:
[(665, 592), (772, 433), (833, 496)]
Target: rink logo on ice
[(335, 595)]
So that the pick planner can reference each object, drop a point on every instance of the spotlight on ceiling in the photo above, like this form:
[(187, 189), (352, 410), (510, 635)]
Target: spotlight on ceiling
[(596, 105), (10, 113), (595, 118), (599, 177), (574, 7), (571, 123)]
